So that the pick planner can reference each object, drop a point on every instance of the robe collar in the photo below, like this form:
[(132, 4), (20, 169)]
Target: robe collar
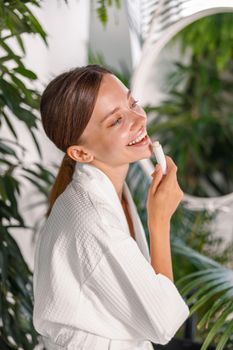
[(95, 180)]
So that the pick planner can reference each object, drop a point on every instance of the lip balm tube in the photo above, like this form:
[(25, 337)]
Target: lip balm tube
[(159, 155)]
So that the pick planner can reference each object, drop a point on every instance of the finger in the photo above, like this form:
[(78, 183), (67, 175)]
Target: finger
[(170, 180), (157, 167), (156, 180), (171, 166)]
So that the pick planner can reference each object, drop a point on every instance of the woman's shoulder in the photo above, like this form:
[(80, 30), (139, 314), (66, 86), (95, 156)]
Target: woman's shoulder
[(74, 205), (90, 202), (87, 214)]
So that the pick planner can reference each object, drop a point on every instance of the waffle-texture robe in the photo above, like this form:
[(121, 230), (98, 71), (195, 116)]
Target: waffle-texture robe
[(94, 286)]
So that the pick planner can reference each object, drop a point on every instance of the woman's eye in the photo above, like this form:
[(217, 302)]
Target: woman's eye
[(135, 103), (116, 121)]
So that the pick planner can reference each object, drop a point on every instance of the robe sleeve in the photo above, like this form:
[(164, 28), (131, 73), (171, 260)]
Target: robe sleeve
[(128, 287)]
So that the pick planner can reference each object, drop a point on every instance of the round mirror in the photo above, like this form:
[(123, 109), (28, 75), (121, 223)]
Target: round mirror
[(184, 80)]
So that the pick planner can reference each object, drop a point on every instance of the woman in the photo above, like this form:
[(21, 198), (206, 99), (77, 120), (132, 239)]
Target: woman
[(96, 286)]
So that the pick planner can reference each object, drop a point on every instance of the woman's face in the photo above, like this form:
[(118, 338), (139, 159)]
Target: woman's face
[(117, 119)]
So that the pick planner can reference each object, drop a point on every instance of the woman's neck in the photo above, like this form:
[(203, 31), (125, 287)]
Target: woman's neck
[(117, 175)]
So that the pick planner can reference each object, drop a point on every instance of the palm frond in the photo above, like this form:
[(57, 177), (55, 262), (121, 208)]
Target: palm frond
[(211, 289)]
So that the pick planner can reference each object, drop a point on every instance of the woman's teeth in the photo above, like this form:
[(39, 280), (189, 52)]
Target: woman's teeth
[(138, 139)]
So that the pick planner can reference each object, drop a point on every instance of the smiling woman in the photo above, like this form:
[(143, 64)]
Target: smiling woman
[(103, 289), (123, 123)]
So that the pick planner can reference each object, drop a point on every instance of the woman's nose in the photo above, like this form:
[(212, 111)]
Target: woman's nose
[(137, 121)]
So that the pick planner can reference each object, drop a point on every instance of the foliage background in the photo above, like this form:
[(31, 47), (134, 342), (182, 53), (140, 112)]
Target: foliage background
[(195, 121)]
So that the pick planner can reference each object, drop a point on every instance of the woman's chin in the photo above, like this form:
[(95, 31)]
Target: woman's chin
[(147, 154)]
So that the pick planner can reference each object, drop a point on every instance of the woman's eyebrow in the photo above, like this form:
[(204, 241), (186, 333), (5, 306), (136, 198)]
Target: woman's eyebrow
[(115, 109)]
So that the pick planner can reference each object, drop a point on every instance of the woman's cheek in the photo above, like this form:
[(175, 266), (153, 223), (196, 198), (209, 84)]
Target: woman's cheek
[(124, 138)]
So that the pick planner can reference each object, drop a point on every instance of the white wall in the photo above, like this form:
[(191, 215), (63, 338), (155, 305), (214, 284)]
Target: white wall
[(112, 41)]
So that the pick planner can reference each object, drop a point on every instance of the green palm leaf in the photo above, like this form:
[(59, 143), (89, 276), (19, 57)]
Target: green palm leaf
[(211, 288)]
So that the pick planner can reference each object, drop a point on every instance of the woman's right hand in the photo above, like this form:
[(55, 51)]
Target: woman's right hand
[(164, 194)]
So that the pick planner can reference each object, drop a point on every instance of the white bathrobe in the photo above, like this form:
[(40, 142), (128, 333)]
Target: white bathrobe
[(94, 287)]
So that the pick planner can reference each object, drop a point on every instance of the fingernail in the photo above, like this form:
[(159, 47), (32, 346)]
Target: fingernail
[(157, 167)]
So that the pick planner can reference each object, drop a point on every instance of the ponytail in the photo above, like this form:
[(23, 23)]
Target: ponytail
[(63, 178), (66, 107)]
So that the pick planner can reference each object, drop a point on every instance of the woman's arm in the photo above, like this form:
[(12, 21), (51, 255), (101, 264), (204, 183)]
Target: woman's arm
[(164, 196), (160, 249)]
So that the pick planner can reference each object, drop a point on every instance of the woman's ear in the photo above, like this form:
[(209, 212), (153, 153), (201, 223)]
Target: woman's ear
[(80, 154)]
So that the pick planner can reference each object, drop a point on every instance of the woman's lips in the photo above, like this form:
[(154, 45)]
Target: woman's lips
[(143, 142)]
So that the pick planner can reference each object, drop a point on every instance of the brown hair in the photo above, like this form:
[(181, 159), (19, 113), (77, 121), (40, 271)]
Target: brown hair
[(66, 107)]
